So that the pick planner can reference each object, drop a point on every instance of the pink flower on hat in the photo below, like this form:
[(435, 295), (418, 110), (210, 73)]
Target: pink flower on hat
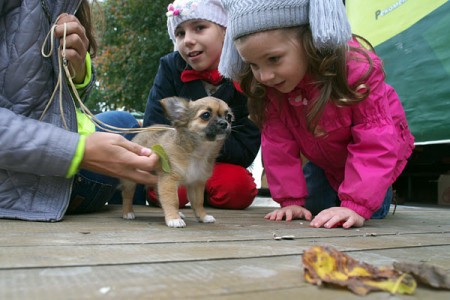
[(172, 11), (181, 8), (180, 11)]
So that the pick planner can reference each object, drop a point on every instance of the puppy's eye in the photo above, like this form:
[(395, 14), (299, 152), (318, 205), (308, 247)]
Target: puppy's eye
[(206, 116), (229, 118)]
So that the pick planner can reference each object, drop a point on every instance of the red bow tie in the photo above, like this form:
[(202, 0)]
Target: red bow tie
[(211, 76)]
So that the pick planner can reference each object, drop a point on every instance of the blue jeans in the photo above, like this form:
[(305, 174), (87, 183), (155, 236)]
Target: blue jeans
[(322, 196), (91, 191)]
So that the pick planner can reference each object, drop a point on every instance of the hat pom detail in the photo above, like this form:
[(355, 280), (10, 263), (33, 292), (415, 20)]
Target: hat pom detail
[(329, 24)]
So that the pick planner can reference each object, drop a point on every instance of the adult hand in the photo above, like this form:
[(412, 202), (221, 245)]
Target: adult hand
[(111, 154), (289, 213), (77, 44), (335, 216)]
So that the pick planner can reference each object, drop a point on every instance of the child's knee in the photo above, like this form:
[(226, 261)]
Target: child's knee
[(231, 187)]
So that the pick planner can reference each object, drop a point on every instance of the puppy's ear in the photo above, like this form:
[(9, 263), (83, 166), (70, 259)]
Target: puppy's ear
[(175, 108)]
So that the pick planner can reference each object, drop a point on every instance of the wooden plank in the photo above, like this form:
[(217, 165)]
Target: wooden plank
[(107, 228), (100, 255), (280, 277), (91, 255)]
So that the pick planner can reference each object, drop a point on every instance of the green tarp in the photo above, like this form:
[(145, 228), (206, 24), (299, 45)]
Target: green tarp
[(413, 39)]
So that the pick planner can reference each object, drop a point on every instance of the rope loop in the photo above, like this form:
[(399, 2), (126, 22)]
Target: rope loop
[(63, 64)]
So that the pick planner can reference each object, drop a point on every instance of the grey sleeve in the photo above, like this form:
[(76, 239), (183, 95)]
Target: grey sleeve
[(34, 147)]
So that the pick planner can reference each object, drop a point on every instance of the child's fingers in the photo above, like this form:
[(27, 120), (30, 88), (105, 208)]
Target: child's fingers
[(276, 215), (307, 214), (288, 215), (354, 221), (267, 216), (320, 220)]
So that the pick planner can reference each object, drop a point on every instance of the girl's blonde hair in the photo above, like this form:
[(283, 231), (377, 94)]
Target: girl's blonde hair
[(328, 70)]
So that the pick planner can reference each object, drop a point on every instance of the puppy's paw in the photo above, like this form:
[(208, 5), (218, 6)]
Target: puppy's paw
[(207, 219), (176, 223), (129, 216)]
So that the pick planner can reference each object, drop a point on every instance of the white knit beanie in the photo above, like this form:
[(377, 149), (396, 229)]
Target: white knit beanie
[(184, 10), (327, 18)]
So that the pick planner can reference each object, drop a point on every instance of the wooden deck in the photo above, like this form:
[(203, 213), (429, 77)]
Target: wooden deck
[(101, 256)]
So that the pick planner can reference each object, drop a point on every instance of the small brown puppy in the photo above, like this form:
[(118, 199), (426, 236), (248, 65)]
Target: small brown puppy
[(199, 130)]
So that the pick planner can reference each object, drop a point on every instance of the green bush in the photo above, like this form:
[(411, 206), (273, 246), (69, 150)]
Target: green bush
[(132, 37)]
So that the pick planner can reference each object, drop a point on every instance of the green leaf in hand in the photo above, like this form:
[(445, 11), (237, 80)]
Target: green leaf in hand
[(158, 149)]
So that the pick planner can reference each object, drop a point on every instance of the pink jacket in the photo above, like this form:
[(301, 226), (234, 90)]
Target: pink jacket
[(363, 150)]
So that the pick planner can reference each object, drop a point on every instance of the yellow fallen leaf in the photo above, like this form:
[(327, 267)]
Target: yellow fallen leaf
[(165, 164), (330, 266)]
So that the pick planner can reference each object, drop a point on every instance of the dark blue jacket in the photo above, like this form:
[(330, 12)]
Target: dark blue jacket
[(242, 145)]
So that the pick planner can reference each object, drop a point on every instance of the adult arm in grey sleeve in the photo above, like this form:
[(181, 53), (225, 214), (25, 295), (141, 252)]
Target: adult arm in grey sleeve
[(34, 147)]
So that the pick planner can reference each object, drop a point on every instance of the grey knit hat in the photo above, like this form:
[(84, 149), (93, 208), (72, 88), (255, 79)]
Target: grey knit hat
[(327, 19), (184, 10)]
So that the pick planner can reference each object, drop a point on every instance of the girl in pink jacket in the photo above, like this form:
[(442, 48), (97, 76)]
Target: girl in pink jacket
[(315, 89)]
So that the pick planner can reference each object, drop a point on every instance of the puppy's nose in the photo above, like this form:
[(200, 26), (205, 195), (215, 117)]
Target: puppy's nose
[(223, 124)]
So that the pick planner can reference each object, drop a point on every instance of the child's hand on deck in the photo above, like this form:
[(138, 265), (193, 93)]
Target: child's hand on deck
[(289, 213), (337, 216)]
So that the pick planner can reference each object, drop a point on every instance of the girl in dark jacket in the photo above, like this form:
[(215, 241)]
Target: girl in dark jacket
[(197, 28)]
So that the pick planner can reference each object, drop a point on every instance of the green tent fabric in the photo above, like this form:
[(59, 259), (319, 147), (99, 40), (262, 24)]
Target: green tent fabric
[(417, 64)]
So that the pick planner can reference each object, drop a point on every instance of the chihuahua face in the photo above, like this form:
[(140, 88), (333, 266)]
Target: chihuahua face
[(199, 129)]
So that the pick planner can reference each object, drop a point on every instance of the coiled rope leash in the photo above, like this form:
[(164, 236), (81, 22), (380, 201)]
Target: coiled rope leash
[(64, 64)]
